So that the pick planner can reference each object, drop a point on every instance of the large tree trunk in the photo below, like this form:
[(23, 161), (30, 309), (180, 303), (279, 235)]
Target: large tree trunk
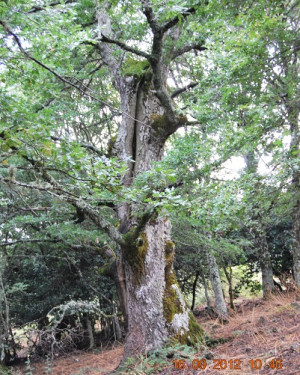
[(215, 280), (154, 305)]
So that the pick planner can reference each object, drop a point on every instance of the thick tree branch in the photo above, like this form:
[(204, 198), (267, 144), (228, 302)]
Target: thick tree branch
[(183, 89), (37, 8), (147, 10), (188, 48), (105, 50), (124, 46), (157, 63)]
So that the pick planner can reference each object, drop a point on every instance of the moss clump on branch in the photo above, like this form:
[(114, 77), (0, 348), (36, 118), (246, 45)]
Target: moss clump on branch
[(135, 68), (158, 122), (182, 120)]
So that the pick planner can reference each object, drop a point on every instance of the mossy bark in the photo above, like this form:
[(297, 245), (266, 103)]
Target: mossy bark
[(158, 312), (180, 320)]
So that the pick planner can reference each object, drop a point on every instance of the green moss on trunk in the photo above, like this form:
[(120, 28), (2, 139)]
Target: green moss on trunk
[(158, 122), (196, 333), (135, 252)]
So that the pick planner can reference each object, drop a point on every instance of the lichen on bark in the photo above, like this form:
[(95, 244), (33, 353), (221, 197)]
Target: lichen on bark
[(180, 320)]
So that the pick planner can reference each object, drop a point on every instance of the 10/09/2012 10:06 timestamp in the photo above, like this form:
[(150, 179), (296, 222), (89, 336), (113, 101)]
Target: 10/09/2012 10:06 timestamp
[(224, 364)]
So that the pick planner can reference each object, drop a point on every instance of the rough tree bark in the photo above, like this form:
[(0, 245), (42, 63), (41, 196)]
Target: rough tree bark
[(153, 303)]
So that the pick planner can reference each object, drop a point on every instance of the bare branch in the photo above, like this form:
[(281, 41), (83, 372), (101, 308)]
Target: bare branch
[(147, 10), (156, 59), (35, 209)]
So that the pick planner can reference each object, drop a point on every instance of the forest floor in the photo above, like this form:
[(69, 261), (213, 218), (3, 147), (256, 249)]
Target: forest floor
[(259, 333)]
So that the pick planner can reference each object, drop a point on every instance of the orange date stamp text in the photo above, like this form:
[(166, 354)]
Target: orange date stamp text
[(227, 364)]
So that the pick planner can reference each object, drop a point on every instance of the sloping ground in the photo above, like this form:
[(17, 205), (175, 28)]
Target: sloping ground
[(268, 333), (265, 331)]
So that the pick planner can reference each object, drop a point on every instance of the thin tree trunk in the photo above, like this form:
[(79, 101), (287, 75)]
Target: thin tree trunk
[(205, 289), (290, 67), (90, 331), (296, 244), (293, 116), (194, 290), (230, 288), (215, 280), (265, 266), (117, 329), (5, 330), (264, 256)]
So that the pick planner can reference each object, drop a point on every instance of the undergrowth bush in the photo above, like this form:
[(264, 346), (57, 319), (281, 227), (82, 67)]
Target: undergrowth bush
[(156, 360)]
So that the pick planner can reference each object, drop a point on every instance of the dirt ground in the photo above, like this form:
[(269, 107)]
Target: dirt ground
[(261, 334)]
